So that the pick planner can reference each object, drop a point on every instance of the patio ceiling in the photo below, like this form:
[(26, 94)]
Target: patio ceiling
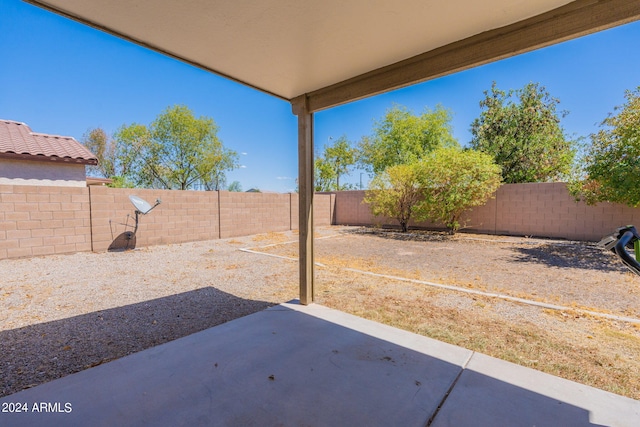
[(336, 51)]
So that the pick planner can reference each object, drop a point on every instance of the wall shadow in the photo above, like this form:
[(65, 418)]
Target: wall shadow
[(412, 235), (123, 242), (570, 256), (39, 353)]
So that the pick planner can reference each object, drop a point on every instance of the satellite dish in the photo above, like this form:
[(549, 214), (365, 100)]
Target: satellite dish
[(142, 207), (127, 240), (141, 204)]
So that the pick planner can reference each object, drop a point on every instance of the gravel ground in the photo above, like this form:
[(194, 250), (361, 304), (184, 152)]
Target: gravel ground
[(575, 274), (62, 314), (65, 313)]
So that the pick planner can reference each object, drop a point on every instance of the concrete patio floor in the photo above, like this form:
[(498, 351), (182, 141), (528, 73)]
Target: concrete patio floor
[(294, 365)]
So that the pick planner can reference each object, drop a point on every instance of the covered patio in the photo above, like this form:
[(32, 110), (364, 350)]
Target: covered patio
[(300, 363), (296, 365)]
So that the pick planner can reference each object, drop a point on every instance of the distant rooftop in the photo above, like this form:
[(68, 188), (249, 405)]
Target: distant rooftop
[(19, 142)]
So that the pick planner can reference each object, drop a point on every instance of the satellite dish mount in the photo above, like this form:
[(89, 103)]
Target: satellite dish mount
[(127, 240), (142, 207)]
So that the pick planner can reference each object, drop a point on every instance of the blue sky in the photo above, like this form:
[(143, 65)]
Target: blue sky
[(63, 78)]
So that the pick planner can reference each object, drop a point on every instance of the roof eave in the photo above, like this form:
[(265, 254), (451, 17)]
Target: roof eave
[(43, 158)]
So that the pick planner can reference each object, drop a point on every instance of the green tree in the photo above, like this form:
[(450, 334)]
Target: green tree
[(214, 167), (610, 169), (114, 157), (524, 137), (97, 141), (397, 193), (177, 151), (402, 137), (336, 161), (453, 181), (130, 142), (235, 186), (324, 176), (440, 187)]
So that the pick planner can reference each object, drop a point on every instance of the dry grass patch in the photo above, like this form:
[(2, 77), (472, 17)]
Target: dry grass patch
[(290, 251), (598, 353), (276, 287), (271, 237)]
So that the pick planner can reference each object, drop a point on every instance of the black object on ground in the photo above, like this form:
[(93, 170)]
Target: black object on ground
[(624, 238)]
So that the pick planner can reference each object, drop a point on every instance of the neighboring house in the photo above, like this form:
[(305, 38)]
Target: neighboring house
[(257, 190), (30, 158), (92, 180)]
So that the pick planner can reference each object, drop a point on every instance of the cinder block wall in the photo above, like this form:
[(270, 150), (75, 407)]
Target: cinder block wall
[(183, 216), (52, 220), (351, 209), (323, 208), (242, 214), (43, 220), (536, 209), (547, 209)]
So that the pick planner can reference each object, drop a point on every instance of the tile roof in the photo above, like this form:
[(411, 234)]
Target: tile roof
[(17, 141)]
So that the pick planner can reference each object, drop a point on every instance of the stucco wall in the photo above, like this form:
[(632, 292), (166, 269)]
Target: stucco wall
[(51, 174)]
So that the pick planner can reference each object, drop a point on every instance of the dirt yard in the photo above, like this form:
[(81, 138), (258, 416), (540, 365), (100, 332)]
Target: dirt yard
[(62, 314)]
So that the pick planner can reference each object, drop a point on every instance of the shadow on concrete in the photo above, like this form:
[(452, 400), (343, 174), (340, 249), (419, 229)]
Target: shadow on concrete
[(39, 353), (569, 256), (300, 366)]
